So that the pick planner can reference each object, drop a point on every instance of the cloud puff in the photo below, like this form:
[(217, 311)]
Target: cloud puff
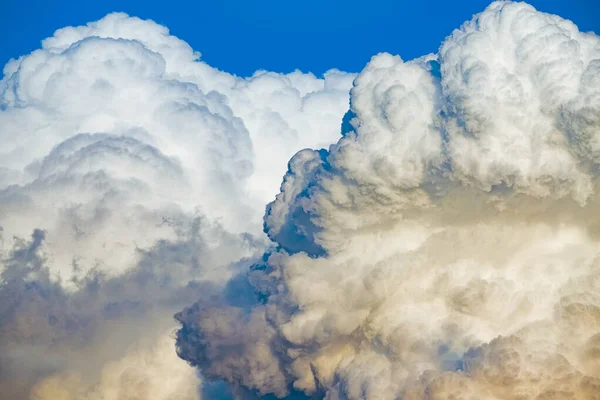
[(142, 173), (447, 245)]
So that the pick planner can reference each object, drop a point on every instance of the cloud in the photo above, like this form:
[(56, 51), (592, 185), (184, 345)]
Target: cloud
[(447, 245), (142, 173)]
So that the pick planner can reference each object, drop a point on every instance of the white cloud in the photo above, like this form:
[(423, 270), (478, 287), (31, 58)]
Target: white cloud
[(144, 173), (447, 245)]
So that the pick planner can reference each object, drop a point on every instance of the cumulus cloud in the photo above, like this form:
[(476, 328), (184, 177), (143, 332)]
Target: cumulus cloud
[(446, 247), (142, 174)]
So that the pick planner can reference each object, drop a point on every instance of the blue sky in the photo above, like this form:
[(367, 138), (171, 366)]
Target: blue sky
[(242, 36)]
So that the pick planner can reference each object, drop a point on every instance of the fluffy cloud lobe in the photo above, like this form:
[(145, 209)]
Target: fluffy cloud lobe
[(446, 247), (133, 180)]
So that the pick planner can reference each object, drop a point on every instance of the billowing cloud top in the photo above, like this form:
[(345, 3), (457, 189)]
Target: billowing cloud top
[(143, 174), (119, 107), (446, 247)]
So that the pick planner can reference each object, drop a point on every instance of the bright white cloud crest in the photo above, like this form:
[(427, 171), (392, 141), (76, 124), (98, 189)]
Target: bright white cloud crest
[(445, 247)]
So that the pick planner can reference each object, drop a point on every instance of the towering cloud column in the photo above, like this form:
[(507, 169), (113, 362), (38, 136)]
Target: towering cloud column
[(133, 180), (447, 245)]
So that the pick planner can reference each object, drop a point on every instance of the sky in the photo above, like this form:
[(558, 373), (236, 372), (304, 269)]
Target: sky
[(241, 37)]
